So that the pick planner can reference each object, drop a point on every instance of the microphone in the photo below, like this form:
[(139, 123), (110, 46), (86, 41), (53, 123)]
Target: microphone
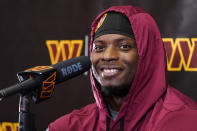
[(40, 81), (71, 68)]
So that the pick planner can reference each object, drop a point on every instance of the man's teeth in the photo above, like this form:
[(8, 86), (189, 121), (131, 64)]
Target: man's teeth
[(110, 70)]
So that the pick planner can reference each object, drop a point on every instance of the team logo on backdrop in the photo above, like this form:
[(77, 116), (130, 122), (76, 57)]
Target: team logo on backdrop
[(63, 49), (181, 54), (8, 126)]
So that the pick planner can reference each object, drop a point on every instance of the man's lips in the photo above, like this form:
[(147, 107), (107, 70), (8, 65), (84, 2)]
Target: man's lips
[(108, 72)]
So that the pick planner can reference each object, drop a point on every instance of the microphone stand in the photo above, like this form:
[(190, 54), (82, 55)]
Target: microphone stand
[(26, 119)]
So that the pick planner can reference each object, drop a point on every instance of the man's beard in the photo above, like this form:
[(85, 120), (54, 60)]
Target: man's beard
[(108, 91), (120, 91)]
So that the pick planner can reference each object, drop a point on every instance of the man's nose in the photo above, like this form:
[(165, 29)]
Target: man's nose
[(110, 53)]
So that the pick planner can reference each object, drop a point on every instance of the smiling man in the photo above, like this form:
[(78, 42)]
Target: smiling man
[(128, 77)]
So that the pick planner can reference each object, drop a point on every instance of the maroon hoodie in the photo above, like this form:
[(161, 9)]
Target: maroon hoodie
[(151, 104)]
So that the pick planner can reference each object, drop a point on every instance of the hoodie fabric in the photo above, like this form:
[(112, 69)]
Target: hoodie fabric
[(151, 104)]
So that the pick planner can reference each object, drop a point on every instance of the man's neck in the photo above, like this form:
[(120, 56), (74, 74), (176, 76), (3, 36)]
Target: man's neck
[(115, 103)]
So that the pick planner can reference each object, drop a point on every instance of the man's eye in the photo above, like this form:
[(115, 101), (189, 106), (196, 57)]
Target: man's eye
[(125, 46), (98, 48)]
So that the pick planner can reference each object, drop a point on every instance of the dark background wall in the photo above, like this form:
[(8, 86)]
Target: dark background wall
[(26, 25)]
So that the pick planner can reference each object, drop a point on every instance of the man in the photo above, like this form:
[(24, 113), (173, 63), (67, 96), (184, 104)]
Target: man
[(128, 77)]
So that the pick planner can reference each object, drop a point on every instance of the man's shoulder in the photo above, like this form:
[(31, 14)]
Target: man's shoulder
[(75, 116), (175, 100), (179, 120), (87, 110), (176, 112)]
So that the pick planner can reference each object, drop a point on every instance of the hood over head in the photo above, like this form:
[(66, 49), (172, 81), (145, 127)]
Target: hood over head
[(149, 83)]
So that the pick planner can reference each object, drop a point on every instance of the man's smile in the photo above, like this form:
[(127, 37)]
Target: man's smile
[(109, 72)]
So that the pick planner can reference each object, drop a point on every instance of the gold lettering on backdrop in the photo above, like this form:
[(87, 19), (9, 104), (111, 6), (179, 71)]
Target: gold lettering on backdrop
[(9, 126), (181, 54), (63, 49)]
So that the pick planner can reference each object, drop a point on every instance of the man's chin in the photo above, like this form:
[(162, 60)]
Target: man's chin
[(119, 91)]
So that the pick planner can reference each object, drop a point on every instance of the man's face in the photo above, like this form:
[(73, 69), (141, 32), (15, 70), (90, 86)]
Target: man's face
[(114, 60)]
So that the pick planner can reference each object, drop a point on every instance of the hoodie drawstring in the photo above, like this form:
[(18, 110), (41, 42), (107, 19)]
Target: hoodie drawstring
[(122, 124), (108, 124)]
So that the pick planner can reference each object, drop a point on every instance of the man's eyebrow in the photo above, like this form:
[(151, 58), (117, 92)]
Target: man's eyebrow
[(121, 39), (117, 39), (97, 41)]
